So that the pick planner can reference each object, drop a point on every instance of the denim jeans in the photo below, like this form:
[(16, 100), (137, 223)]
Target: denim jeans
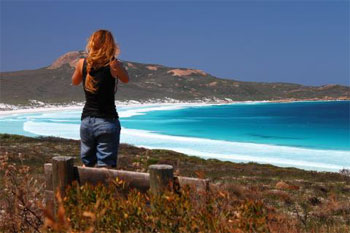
[(99, 141)]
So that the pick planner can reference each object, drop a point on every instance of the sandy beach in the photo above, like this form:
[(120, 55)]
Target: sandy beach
[(79, 106), (6, 109)]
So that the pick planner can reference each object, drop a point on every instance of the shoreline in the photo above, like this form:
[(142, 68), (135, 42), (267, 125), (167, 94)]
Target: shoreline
[(132, 103), (136, 108), (188, 155)]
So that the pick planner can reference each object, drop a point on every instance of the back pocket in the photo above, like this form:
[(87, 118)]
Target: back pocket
[(104, 126)]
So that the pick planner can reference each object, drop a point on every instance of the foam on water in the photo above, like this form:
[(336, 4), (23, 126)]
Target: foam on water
[(241, 152), (66, 124), (129, 112), (206, 148), (70, 131)]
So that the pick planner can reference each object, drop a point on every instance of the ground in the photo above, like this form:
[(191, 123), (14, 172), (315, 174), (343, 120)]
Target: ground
[(312, 198)]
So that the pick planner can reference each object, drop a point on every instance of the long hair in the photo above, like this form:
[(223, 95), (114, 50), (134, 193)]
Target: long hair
[(101, 50)]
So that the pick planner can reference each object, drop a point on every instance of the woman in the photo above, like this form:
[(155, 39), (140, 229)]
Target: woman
[(100, 126)]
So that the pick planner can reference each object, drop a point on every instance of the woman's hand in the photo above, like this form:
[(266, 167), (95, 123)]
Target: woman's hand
[(118, 71)]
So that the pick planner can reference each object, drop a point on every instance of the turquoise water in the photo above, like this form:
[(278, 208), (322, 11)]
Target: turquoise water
[(308, 135), (320, 125)]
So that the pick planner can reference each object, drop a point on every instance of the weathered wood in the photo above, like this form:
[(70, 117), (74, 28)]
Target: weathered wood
[(138, 180), (49, 195), (48, 175), (49, 201), (161, 178), (195, 183), (62, 173)]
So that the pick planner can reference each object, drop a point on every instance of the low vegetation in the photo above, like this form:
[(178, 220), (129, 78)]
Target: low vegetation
[(249, 197)]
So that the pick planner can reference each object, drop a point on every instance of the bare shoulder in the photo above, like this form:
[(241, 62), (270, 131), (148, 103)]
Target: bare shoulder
[(79, 64), (77, 75), (81, 61), (118, 71)]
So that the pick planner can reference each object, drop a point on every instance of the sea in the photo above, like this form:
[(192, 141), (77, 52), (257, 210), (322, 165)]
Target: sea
[(311, 135)]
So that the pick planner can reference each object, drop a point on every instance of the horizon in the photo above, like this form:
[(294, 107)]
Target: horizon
[(248, 40)]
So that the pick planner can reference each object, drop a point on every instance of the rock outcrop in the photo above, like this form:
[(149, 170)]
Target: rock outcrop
[(70, 58)]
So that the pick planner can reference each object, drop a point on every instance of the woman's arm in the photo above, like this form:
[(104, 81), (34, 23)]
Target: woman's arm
[(78, 73), (118, 71)]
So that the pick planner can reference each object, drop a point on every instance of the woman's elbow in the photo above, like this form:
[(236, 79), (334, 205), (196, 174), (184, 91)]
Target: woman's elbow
[(75, 82), (125, 79)]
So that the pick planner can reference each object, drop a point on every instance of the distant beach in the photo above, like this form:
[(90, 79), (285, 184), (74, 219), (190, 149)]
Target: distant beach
[(233, 137), (6, 109)]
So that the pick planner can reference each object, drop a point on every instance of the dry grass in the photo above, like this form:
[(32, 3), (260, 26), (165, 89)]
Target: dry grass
[(284, 199)]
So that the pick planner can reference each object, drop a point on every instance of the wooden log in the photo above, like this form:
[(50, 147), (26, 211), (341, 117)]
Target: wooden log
[(161, 178), (138, 180), (195, 183), (62, 173)]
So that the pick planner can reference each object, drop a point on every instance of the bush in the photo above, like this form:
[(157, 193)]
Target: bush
[(116, 208), (20, 199), (109, 209)]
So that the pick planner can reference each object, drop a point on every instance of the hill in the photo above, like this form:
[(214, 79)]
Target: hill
[(52, 84)]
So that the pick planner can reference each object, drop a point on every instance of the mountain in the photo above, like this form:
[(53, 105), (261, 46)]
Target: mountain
[(52, 84)]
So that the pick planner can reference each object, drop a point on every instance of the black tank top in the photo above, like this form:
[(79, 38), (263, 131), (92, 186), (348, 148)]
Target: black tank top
[(101, 103)]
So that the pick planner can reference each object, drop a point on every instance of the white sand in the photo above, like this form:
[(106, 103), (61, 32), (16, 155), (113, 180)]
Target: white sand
[(132, 103)]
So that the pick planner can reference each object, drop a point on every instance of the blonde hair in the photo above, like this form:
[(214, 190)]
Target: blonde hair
[(101, 49)]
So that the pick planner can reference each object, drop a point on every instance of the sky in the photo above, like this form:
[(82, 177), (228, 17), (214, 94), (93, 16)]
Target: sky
[(305, 42)]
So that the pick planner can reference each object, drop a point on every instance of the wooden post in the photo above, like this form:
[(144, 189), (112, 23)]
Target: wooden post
[(161, 178), (62, 173), (49, 195)]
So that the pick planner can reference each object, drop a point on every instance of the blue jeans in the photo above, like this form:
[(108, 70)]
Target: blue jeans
[(99, 141)]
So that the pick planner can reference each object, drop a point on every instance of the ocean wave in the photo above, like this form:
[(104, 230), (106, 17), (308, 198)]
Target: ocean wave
[(63, 130), (263, 160), (286, 156), (332, 160), (129, 112)]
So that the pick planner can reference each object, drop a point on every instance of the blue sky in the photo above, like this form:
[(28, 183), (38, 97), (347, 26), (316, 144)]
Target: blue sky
[(304, 42)]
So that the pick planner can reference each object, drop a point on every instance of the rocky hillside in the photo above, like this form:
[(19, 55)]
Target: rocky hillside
[(52, 84)]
